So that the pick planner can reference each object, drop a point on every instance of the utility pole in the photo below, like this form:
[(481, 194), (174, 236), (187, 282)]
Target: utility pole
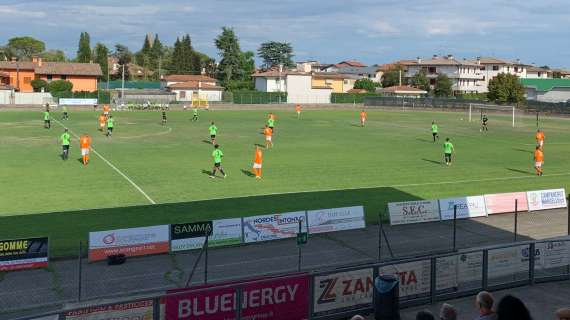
[(123, 85)]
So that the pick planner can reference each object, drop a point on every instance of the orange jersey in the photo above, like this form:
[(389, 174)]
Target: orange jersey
[(363, 115), (540, 136), (106, 108), (102, 119), (298, 108), (538, 155), (258, 156), (268, 132), (85, 141), (272, 116)]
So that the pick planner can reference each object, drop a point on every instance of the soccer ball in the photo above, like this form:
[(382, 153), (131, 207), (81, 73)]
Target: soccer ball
[(461, 119)]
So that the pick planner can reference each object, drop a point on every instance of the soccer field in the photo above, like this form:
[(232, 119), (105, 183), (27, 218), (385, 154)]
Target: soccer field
[(314, 160)]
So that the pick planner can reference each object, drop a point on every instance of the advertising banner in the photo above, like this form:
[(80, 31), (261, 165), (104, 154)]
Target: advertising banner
[(467, 207), (546, 199), (413, 211), (19, 254), (273, 227), (189, 236), (337, 219), (505, 202), (77, 102), (131, 242), (138, 310), (342, 291), (508, 261), (414, 277), (552, 254), (278, 299), (463, 268)]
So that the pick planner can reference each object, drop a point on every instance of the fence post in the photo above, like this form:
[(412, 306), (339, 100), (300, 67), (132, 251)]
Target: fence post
[(79, 273), (206, 258), (433, 288), (531, 262), (299, 249), (568, 206), (516, 219), (455, 228), (379, 236), (485, 277), (239, 295)]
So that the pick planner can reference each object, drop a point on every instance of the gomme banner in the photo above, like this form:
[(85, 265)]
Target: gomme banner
[(413, 211), (546, 199), (272, 227), (342, 291), (131, 242), (188, 236), (414, 277), (337, 219), (467, 207), (18, 254), (505, 202), (138, 310), (278, 299)]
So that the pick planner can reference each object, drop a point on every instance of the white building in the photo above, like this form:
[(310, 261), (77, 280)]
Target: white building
[(547, 90), (298, 86), (538, 73), (187, 87)]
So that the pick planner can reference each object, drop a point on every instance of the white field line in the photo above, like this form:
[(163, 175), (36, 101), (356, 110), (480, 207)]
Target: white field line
[(112, 166)]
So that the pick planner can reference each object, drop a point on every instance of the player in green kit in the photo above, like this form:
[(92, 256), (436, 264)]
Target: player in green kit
[(65, 141), (110, 126), (47, 121), (448, 150), (434, 130), (213, 131), (195, 116), (217, 154), (65, 115), (271, 122)]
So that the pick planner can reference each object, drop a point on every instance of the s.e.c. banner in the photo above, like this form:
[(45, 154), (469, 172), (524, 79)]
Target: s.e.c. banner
[(18, 254), (285, 298), (188, 236), (413, 211)]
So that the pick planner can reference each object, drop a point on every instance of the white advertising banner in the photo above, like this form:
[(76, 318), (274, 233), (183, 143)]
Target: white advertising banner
[(414, 277), (131, 242), (77, 102), (272, 227), (508, 261), (462, 268), (342, 291), (552, 254), (467, 207), (546, 199), (413, 211), (139, 310), (337, 219)]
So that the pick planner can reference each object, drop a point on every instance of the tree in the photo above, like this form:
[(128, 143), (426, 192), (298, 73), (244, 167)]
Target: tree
[(366, 84), (60, 86), (124, 57), (84, 50), (39, 84), (25, 47), (420, 81), (156, 53), (184, 59), (392, 76), (101, 54), (556, 74), (235, 67), (276, 53), (505, 88), (443, 86), (53, 55)]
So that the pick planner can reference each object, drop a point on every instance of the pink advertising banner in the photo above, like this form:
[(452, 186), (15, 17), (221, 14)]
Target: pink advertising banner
[(505, 202)]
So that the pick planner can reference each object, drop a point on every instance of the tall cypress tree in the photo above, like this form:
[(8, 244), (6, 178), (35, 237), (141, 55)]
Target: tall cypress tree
[(156, 53), (84, 50), (102, 58), (177, 54)]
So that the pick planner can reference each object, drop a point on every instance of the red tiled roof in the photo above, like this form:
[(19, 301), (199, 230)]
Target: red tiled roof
[(194, 85), (351, 63), (59, 68), (4, 74), (402, 88), (187, 77), (22, 65)]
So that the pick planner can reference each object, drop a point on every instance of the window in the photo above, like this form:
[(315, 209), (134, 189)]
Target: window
[(432, 82), (27, 80), (495, 68), (516, 69), (63, 77), (49, 77), (431, 70), (345, 81), (482, 68), (182, 94)]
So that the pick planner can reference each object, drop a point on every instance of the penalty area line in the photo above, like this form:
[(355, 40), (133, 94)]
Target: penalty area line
[(112, 166)]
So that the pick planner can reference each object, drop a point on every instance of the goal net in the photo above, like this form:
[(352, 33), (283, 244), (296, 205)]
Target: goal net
[(477, 110), (199, 101)]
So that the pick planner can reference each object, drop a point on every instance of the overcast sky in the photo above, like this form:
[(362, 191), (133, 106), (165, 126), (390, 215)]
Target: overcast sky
[(372, 31)]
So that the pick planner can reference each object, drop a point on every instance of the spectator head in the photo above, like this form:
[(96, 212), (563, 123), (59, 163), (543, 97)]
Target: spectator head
[(563, 314), (424, 315), (447, 312), (484, 302), (511, 307), (357, 317)]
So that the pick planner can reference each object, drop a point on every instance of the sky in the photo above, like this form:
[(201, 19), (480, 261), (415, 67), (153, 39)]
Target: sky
[(371, 31)]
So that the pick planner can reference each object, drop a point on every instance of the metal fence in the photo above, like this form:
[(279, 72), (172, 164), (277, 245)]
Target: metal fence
[(346, 291)]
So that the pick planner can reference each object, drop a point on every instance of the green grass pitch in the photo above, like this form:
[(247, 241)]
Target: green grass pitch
[(323, 160)]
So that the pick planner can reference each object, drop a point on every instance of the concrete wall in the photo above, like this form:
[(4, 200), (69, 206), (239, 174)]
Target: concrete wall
[(299, 90), (210, 95), (5, 96), (38, 98)]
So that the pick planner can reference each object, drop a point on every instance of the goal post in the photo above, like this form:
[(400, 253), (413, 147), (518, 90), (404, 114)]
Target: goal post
[(482, 108)]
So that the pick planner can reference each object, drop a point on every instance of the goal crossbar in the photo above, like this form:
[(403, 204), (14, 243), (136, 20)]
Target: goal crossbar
[(480, 106)]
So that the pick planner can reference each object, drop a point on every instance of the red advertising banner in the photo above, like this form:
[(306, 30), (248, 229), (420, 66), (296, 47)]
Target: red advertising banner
[(505, 202), (265, 298)]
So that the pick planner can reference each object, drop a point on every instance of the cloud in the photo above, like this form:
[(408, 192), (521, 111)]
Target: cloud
[(14, 12)]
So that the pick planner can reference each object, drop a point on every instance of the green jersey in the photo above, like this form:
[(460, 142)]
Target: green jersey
[(64, 109), (195, 111), (217, 154), (448, 147), (270, 122), (434, 128), (213, 130), (65, 138), (110, 123), (46, 115)]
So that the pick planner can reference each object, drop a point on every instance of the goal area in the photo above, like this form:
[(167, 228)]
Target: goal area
[(477, 110)]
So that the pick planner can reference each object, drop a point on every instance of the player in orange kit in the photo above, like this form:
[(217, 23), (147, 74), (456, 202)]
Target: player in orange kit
[(85, 144), (362, 118), (298, 110), (102, 122), (106, 110), (538, 160), (258, 160), (268, 132), (540, 139)]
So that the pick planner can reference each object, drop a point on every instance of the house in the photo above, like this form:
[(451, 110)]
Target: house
[(402, 91), (373, 72), (83, 76), (298, 85), (466, 76), (340, 83), (547, 90), (490, 67), (350, 63), (189, 86), (533, 72)]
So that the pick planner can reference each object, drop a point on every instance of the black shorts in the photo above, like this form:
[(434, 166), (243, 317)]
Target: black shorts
[(65, 147), (217, 164), (447, 156), (65, 113), (213, 136), (271, 128), (110, 129), (434, 134), (46, 121)]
